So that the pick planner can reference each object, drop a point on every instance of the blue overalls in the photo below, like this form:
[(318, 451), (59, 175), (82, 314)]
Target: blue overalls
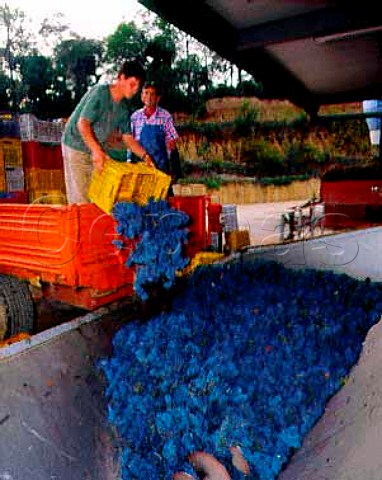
[(153, 140)]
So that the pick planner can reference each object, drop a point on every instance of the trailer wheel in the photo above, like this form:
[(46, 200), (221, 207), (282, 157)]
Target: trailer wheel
[(16, 307)]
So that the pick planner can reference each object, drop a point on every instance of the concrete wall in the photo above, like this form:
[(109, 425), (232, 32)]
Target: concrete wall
[(243, 193), (53, 413), (356, 253), (247, 192)]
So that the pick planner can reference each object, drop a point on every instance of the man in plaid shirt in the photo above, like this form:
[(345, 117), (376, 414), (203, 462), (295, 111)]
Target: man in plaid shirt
[(153, 127)]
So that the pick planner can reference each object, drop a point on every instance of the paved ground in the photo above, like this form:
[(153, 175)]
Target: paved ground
[(263, 220)]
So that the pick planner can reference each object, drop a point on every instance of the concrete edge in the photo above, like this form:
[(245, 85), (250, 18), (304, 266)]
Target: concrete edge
[(50, 334)]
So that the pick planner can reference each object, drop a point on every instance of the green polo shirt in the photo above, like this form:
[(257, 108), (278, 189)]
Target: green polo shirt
[(109, 120)]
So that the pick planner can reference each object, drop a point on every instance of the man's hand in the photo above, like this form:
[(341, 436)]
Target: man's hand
[(87, 133), (99, 157), (139, 151), (149, 161)]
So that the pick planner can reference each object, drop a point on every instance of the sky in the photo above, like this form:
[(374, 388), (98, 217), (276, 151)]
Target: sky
[(91, 19)]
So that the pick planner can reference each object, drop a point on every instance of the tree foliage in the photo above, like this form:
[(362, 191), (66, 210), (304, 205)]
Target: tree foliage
[(125, 43), (78, 61), (18, 42), (36, 81), (51, 85), (52, 30)]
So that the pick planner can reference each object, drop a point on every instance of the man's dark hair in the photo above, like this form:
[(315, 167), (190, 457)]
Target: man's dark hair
[(132, 68), (155, 86)]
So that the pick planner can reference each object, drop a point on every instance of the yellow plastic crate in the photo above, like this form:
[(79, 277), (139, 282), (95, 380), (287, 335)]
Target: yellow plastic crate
[(11, 152), (47, 197), (127, 182), (44, 179), (3, 182)]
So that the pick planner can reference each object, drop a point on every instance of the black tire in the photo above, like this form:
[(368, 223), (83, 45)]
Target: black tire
[(17, 313)]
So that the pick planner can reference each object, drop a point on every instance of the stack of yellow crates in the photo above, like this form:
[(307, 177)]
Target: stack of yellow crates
[(45, 186), (44, 173), (11, 162)]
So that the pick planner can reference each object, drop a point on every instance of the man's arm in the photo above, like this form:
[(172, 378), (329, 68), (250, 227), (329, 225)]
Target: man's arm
[(97, 152), (137, 148)]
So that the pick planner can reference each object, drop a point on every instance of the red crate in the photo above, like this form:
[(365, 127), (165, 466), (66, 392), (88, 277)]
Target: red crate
[(214, 217), (99, 262), (42, 155), (196, 208)]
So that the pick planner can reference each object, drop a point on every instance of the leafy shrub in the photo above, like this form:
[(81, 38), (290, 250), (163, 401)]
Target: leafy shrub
[(350, 136), (263, 158), (243, 124), (212, 183), (305, 156), (214, 166), (283, 180)]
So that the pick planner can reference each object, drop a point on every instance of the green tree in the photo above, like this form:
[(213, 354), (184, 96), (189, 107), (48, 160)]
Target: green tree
[(36, 74), (4, 95), (160, 53), (52, 30), (77, 62), (126, 42), (19, 41), (192, 78)]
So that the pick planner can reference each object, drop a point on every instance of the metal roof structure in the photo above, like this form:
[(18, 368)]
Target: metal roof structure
[(311, 52)]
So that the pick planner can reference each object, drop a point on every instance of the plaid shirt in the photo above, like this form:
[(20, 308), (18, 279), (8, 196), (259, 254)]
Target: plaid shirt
[(159, 117)]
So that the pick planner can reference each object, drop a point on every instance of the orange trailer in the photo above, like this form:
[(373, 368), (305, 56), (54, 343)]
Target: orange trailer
[(66, 250)]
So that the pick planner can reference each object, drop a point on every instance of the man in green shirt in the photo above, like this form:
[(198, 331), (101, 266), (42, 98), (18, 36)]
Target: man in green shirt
[(99, 129)]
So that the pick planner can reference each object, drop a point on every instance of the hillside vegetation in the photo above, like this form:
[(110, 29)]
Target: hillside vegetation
[(247, 137)]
